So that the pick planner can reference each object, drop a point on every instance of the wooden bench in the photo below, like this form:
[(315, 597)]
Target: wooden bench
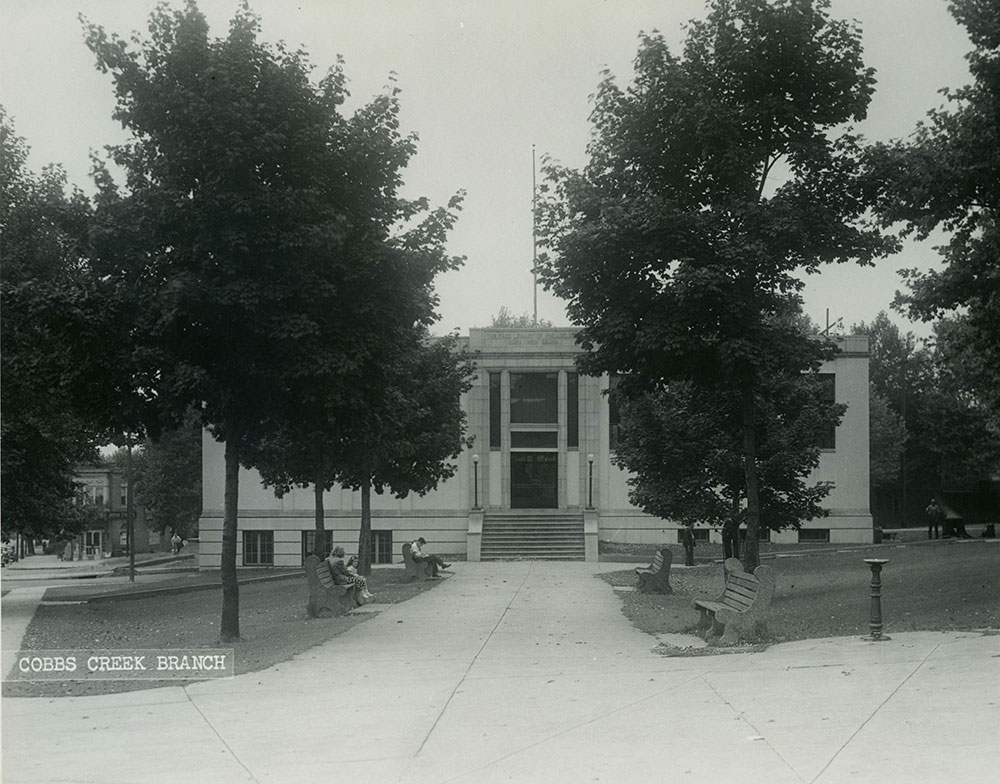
[(415, 570), (655, 578), (742, 608), (324, 592)]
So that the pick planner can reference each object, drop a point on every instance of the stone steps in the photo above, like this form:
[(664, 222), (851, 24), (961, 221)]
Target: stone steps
[(529, 535)]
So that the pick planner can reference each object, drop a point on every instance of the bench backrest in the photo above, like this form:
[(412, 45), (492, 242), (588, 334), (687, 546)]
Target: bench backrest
[(318, 573), (657, 562), (407, 557), (741, 590)]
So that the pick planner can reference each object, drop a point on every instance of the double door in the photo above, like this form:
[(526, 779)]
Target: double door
[(534, 480)]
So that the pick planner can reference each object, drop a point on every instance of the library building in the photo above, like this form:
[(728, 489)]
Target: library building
[(538, 482)]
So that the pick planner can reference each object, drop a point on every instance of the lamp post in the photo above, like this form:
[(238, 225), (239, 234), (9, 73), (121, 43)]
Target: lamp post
[(590, 481), (875, 622), (129, 511), (475, 481)]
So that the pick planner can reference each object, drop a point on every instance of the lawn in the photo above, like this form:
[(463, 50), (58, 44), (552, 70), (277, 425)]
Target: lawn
[(273, 625), (941, 587)]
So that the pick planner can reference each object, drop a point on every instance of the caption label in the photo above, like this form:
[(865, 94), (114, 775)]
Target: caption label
[(156, 664)]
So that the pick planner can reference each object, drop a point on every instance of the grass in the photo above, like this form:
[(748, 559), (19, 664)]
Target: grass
[(273, 625), (938, 587)]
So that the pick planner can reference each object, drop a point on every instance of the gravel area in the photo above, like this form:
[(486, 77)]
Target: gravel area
[(273, 625), (940, 587)]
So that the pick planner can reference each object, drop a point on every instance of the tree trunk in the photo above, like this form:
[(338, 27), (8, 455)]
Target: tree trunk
[(751, 549), (365, 536), (319, 545), (731, 528), (229, 630)]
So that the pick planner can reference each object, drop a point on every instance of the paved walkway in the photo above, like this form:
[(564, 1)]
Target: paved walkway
[(528, 672)]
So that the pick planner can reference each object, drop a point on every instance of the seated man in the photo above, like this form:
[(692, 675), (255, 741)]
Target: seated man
[(417, 553)]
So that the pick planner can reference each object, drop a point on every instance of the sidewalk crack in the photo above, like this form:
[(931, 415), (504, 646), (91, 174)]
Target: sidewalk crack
[(871, 716), (551, 736), (219, 736), (472, 664), (760, 734)]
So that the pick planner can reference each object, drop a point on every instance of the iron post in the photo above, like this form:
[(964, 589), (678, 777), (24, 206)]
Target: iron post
[(875, 621)]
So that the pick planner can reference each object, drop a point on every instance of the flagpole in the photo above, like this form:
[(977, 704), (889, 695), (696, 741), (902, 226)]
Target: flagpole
[(534, 240)]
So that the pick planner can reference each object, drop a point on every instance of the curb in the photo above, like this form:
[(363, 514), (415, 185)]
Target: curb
[(145, 593)]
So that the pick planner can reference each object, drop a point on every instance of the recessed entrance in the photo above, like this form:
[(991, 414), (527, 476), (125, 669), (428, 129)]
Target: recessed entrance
[(534, 480)]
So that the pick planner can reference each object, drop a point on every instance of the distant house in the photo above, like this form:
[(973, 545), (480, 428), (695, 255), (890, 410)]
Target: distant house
[(104, 487)]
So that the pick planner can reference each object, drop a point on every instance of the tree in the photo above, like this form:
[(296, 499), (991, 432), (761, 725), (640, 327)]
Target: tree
[(51, 342), (947, 175), (675, 249), (407, 440), (250, 231), (886, 439), (168, 478), (402, 435), (923, 413), (505, 319), (682, 445)]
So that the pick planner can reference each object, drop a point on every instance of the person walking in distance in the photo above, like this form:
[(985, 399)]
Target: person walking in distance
[(687, 539), (934, 519)]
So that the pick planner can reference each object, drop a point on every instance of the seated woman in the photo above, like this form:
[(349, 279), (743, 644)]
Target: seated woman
[(346, 575)]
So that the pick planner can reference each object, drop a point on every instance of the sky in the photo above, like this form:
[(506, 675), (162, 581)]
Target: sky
[(483, 85)]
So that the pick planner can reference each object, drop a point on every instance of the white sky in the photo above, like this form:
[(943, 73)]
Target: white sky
[(481, 83)]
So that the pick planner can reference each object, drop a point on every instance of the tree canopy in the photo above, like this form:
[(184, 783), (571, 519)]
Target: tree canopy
[(712, 180), (946, 175), (928, 432), (255, 233), (167, 481), (505, 319), (54, 343)]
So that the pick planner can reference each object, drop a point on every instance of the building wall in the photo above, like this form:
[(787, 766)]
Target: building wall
[(443, 516)]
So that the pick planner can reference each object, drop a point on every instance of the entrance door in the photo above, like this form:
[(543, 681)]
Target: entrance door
[(93, 541), (534, 480)]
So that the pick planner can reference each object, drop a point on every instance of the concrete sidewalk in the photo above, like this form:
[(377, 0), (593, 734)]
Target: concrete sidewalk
[(529, 672)]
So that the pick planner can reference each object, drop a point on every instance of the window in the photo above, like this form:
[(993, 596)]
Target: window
[(534, 439), (700, 534), (382, 547), (573, 410), (123, 500), (613, 416), (258, 548), (829, 392), (494, 410), (534, 398), (814, 535), (309, 539)]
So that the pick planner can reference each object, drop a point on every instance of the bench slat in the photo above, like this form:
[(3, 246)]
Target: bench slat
[(746, 590), (739, 590), (740, 596), (744, 581), (653, 568)]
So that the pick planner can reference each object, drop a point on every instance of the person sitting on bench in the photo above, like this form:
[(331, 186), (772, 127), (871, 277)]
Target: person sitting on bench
[(345, 575), (417, 553)]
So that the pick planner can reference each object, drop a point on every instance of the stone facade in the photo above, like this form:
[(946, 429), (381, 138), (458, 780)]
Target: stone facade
[(532, 452)]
